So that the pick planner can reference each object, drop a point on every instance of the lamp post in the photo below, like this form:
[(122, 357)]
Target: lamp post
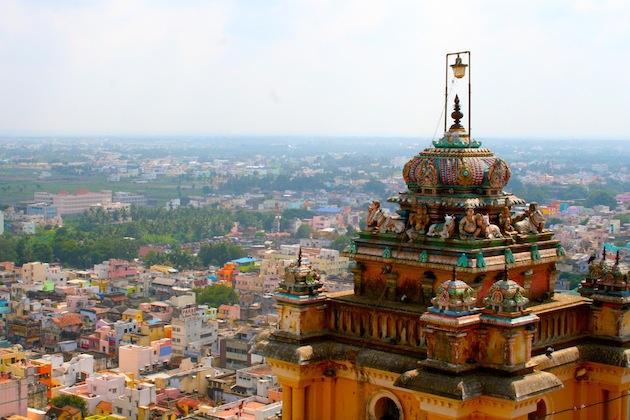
[(459, 71)]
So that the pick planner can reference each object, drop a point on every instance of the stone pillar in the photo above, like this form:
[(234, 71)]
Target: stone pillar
[(390, 284), (357, 274), (529, 338), (287, 400), (614, 406), (297, 405), (510, 355), (527, 283), (554, 274), (328, 398), (427, 289)]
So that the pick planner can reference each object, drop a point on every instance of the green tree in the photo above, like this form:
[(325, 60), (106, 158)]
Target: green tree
[(41, 252), (218, 254), (8, 248), (216, 295), (600, 198), (304, 231), (72, 400)]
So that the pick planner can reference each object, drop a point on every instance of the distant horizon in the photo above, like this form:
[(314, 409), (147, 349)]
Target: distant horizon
[(325, 68), (289, 136)]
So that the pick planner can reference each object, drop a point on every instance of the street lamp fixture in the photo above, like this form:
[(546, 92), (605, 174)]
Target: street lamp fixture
[(459, 68), (459, 71)]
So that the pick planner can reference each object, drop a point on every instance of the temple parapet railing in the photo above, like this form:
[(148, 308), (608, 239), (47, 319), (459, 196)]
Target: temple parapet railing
[(379, 327), (562, 321)]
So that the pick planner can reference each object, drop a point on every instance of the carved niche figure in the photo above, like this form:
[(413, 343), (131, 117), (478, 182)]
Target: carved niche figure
[(469, 226), (505, 221), (426, 174), (444, 230), (419, 222), (488, 230), (499, 174), (531, 221)]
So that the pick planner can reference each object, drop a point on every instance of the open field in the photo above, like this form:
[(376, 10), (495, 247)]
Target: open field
[(19, 186)]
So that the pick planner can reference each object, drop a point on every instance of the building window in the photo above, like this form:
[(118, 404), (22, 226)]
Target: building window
[(385, 406), (541, 411)]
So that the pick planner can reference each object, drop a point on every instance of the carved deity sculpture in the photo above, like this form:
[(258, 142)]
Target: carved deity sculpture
[(505, 221), (469, 226), (374, 216), (419, 222)]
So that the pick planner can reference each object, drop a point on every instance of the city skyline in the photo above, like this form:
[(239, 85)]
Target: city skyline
[(309, 68)]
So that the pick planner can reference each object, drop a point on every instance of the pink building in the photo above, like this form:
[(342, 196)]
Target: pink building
[(79, 202), (98, 387), (229, 312), (120, 269), (13, 396), (76, 302), (248, 282), (102, 340)]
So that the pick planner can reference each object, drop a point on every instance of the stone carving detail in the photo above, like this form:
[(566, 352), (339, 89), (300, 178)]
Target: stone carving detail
[(470, 224), (419, 222), (378, 220), (506, 296), (426, 174), (499, 174), (488, 230), (505, 221), (531, 221), (454, 296), (444, 230)]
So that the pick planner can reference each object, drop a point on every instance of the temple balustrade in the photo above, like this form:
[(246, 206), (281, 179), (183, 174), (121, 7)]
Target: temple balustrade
[(560, 326), (376, 326)]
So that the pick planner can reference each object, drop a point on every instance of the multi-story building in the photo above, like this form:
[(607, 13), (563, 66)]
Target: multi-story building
[(130, 198), (135, 359), (82, 200), (134, 396), (235, 352), (186, 329), (13, 396)]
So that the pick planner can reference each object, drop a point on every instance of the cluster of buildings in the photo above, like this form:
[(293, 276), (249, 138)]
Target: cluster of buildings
[(130, 342)]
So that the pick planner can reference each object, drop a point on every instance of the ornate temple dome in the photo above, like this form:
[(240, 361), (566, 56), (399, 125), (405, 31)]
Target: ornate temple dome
[(456, 161), (454, 296), (506, 296)]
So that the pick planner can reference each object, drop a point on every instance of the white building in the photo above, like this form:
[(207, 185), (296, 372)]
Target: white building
[(186, 329), (134, 396)]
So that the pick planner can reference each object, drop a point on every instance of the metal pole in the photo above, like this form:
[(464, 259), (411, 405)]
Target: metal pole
[(445, 91), (469, 98)]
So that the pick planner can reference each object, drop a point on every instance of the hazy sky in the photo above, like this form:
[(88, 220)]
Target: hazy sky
[(540, 68)]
